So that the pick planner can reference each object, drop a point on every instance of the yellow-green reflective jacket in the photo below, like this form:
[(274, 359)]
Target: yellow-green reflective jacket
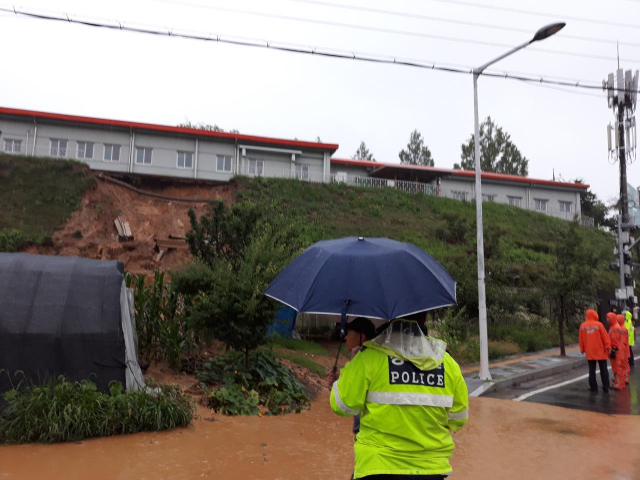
[(628, 323), (407, 413)]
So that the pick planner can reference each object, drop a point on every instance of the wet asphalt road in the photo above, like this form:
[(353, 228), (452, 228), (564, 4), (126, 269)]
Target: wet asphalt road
[(576, 395)]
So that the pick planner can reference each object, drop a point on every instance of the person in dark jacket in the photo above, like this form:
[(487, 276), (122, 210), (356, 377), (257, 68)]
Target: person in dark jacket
[(359, 330)]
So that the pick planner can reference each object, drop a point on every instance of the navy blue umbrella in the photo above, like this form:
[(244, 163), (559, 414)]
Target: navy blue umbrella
[(367, 277)]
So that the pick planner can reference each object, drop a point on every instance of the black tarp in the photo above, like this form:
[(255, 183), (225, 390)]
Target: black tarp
[(60, 316)]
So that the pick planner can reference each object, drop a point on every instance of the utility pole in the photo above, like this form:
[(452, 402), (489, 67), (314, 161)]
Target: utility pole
[(622, 90)]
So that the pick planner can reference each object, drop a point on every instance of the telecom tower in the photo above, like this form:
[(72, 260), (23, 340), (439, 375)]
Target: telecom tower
[(622, 92)]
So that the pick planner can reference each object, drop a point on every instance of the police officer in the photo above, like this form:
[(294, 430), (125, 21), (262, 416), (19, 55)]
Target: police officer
[(632, 335), (411, 396)]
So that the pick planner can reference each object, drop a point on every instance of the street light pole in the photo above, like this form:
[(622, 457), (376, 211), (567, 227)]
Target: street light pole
[(541, 34)]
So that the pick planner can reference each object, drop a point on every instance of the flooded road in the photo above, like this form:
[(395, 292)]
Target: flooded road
[(573, 394), (503, 440)]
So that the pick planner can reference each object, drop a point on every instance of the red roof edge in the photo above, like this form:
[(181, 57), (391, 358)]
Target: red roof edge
[(516, 178), (460, 173), (359, 163), (168, 129)]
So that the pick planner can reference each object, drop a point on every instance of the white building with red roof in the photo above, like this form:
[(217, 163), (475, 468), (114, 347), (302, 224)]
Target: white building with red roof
[(132, 148)]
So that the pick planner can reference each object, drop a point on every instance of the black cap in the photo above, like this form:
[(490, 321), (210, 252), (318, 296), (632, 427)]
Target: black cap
[(362, 325)]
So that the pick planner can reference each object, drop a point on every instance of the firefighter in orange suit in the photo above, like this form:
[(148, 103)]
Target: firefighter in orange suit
[(624, 350), (615, 334), (594, 342)]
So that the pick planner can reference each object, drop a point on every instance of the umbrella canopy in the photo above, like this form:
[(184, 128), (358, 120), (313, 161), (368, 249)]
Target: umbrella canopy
[(368, 277)]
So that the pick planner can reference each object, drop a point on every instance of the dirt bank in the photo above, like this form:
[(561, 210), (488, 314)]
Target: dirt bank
[(90, 232), (504, 440)]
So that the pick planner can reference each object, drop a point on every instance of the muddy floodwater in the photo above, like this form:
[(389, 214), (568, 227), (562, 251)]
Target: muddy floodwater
[(503, 440)]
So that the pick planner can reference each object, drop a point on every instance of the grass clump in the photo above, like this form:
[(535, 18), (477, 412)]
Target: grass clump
[(305, 346), (38, 196), (238, 390), (63, 411), (304, 362)]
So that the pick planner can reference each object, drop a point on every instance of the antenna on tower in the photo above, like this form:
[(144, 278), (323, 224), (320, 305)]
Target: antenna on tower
[(618, 49)]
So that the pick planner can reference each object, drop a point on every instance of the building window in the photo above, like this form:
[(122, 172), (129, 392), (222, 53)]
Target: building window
[(85, 150), (223, 163), (185, 160), (143, 155), (488, 198), (341, 177), (565, 207), (12, 146), (58, 147), (302, 172), (111, 153), (459, 195), (515, 201), (256, 166), (540, 205)]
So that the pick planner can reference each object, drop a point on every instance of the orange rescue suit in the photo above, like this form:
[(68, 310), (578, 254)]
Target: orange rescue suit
[(615, 332), (624, 352), (594, 339)]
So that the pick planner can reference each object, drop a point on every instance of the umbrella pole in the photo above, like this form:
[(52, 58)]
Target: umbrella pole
[(335, 365), (343, 332)]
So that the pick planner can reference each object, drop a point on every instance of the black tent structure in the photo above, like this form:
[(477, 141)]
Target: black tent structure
[(66, 316)]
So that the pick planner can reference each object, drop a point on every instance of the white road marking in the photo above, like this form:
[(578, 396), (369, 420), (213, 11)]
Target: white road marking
[(481, 389), (558, 385)]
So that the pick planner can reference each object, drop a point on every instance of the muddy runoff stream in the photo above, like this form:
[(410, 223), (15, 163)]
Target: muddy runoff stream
[(502, 440)]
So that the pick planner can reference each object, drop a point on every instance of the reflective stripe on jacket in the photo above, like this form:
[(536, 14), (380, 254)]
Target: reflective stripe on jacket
[(407, 414)]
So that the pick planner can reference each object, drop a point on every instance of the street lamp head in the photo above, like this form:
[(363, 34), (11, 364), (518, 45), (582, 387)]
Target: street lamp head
[(547, 31)]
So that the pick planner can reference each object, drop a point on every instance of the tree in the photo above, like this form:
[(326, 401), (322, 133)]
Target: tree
[(363, 153), (572, 284), (204, 126), (224, 233), (239, 251), (417, 153), (590, 206), (497, 152)]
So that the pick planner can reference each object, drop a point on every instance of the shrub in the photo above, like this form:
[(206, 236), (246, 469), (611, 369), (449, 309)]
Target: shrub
[(239, 390), (528, 338), (63, 411), (161, 323), (10, 240), (239, 251)]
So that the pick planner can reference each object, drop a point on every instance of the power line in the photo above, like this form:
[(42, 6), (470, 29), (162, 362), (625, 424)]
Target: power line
[(539, 14), (565, 90), (454, 21), (331, 23), (293, 48)]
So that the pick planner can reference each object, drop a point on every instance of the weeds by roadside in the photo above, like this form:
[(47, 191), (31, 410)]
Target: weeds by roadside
[(238, 390), (63, 411)]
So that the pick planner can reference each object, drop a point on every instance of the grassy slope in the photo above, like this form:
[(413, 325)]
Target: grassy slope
[(38, 195), (517, 242)]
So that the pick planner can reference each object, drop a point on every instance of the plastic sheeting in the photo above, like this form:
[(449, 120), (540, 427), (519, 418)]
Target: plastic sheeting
[(64, 316), (405, 338), (133, 374)]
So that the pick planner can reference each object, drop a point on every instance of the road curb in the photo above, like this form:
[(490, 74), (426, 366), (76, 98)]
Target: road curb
[(528, 376)]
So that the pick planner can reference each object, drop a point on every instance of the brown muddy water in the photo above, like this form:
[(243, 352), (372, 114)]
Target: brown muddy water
[(502, 440)]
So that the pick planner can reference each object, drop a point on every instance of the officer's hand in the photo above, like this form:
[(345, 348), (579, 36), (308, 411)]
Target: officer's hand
[(331, 378)]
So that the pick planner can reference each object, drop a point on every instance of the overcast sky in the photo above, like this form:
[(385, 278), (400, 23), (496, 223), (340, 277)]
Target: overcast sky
[(66, 68)]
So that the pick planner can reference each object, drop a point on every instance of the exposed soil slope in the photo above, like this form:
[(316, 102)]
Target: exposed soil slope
[(90, 232)]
